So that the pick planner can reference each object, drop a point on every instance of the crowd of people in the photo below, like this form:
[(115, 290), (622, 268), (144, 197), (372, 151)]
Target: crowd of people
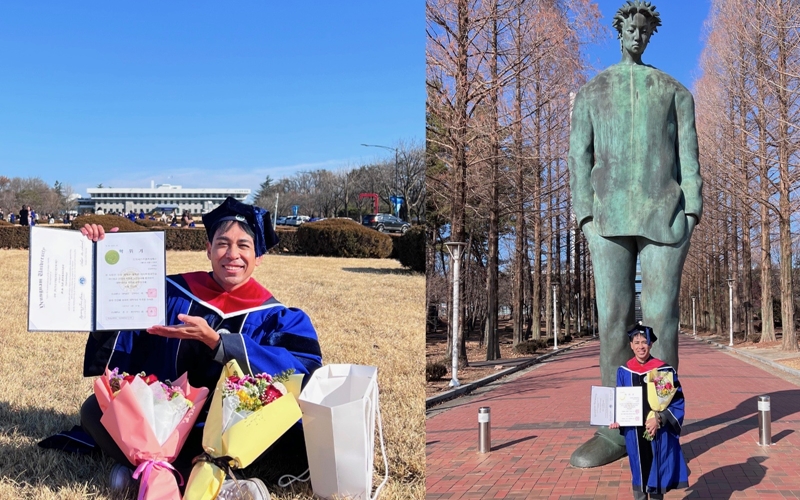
[(27, 216)]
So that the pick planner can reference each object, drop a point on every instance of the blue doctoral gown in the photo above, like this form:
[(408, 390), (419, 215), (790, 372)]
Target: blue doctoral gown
[(657, 466), (262, 334)]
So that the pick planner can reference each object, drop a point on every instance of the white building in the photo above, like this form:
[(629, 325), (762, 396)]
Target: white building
[(161, 197)]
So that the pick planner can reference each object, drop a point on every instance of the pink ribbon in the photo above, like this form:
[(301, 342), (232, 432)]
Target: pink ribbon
[(145, 468)]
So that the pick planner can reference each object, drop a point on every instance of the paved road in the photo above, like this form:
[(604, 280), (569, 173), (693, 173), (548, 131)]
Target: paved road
[(539, 418)]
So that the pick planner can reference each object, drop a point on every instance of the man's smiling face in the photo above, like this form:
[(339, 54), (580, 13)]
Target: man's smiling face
[(640, 347), (233, 257)]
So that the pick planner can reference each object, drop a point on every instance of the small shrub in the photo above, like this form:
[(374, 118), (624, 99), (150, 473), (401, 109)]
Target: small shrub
[(435, 370), (342, 238), (754, 338), (565, 338), (525, 348), (409, 249), (530, 346), (5, 223)]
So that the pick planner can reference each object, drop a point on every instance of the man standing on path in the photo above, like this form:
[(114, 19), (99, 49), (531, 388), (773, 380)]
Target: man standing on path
[(636, 192)]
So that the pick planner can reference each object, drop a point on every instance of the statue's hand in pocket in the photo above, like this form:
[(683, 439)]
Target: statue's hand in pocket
[(691, 222)]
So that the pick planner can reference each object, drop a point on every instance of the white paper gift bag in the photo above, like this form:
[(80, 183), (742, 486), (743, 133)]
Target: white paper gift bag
[(340, 411)]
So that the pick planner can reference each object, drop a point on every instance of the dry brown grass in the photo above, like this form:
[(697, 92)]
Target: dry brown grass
[(367, 311)]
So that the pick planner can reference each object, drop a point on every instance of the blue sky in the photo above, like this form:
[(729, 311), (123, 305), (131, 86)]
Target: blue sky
[(205, 94), (674, 49)]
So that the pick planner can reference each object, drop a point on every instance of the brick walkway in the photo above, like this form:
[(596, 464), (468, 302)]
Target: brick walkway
[(539, 418)]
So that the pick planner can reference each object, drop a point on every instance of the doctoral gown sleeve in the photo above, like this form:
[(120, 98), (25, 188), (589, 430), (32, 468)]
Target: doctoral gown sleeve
[(131, 351), (281, 339), (673, 415), (100, 346)]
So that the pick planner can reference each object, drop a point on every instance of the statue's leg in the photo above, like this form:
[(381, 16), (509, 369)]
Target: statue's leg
[(614, 263), (662, 266)]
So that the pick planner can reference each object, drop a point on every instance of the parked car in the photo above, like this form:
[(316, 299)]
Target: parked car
[(297, 220), (280, 221), (386, 223)]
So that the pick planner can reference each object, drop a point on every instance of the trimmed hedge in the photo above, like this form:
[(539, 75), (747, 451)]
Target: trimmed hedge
[(340, 238), (184, 238), (14, 236), (288, 242), (150, 224), (409, 249), (343, 238)]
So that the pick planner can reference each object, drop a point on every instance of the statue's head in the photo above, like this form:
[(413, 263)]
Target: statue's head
[(635, 22)]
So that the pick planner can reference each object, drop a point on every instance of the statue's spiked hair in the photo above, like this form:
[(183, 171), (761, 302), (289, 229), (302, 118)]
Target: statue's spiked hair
[(633, 7)]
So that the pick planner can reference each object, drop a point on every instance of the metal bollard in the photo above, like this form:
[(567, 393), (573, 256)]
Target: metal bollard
[(764, 422), (484, 430)]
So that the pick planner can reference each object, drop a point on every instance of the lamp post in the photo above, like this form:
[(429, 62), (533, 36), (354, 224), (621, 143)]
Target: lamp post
[(730, 308), (395, 168), (455, 248), (694, 318), (555, 318)]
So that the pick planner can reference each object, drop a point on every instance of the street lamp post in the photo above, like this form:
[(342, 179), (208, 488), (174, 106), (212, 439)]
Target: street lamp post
[(730, 307), (694, 318), (397, 214), (555, 318), (455, 249)]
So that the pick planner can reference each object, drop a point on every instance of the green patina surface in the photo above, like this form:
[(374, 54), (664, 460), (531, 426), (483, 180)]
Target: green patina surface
[(637, 194)]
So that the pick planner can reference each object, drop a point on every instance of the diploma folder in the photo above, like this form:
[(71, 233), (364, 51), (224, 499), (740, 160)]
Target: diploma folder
[(77, 285), (617, 404)]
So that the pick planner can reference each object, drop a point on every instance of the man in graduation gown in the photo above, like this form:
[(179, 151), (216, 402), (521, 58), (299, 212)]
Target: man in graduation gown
[(213, 318), (657, 465)]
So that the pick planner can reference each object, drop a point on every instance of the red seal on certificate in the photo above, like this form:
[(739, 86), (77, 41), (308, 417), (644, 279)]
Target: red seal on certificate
[(152, 311), (152, 293)]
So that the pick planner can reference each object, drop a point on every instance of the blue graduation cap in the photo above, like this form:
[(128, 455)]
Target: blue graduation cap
[(256, 217), (645, 331)]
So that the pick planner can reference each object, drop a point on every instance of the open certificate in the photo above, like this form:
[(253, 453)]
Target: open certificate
[(75, 284), (623, 405)]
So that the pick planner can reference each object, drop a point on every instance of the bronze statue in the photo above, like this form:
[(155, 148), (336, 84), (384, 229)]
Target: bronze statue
[(636, 192)]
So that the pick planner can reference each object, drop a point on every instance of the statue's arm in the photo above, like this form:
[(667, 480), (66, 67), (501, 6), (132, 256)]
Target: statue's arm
[(691, 183), (581, 160)]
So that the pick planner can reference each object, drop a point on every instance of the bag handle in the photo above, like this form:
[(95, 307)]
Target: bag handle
[(371, 441), (287, 479)]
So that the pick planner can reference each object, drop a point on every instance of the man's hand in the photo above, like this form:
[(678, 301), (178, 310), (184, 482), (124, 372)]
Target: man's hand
[(613, 426), (652, 426), (95, 232), (193, 328)]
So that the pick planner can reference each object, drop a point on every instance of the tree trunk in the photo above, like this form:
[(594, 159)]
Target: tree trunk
[(492, 340)]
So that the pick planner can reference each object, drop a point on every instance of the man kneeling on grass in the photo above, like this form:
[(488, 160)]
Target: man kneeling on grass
[(217, 317)]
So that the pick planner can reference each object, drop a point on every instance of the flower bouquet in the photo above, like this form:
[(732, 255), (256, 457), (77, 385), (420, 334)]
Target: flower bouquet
[(247, 414), (149, 420), (660, 391)]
